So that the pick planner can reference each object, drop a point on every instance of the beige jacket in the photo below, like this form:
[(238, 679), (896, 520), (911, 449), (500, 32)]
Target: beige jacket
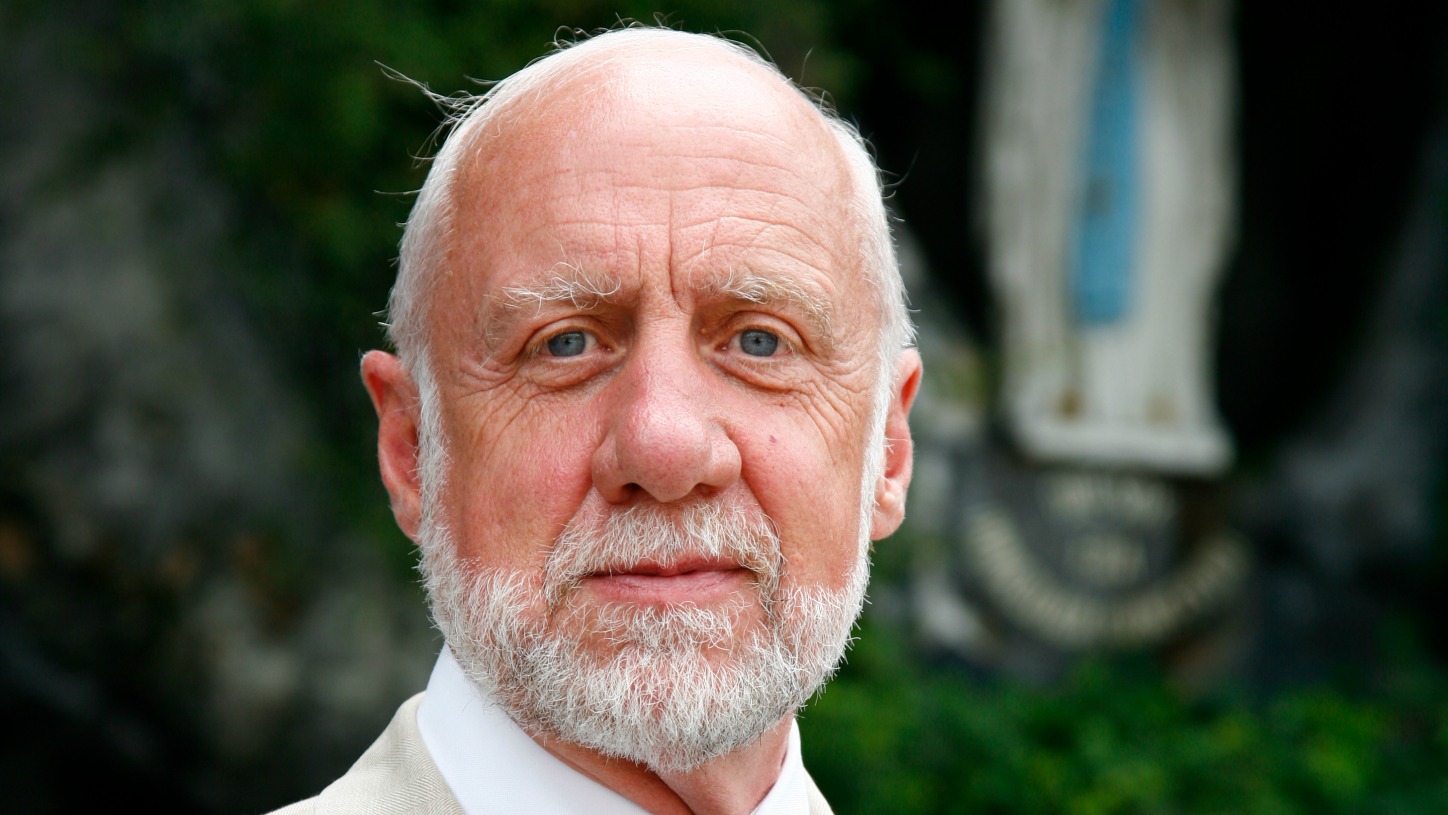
[(396, 776)]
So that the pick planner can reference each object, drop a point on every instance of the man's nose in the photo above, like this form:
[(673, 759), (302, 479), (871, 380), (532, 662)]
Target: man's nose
[(665, 439)]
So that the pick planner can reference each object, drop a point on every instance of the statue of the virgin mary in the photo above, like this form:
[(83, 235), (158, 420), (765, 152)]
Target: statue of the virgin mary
[(1108, 187)]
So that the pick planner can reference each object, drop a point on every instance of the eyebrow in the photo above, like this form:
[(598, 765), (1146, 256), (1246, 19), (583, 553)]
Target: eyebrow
[(563, 283), (566, 283), (770, 290)]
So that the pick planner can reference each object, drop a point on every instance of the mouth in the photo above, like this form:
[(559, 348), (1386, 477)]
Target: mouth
[(691, 580)]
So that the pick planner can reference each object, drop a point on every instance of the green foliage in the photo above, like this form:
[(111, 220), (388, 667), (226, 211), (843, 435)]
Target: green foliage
[(891, 736)]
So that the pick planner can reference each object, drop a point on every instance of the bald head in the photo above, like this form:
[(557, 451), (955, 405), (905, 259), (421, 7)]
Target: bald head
[(626, 84)]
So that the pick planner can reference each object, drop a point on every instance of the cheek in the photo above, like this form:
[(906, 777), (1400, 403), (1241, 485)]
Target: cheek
[(512, 492), (813, 496)]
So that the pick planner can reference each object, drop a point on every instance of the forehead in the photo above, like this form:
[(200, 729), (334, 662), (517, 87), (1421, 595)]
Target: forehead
[(690, 162)]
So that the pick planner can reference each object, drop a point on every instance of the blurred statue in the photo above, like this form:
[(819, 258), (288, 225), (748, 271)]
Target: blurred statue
[(1109, 183), (1108, 186)]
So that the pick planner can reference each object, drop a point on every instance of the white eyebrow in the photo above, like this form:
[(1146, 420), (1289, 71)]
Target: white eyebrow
[(563, 283), (569, 284), (769, 290)]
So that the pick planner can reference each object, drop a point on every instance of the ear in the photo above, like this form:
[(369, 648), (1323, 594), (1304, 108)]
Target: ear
[(899, 449), (394, 397)]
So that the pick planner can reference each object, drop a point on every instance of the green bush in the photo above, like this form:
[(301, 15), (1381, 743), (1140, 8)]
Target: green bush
[(891, 736)]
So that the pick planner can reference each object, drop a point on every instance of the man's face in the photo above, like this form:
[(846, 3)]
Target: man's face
[(655, 315)]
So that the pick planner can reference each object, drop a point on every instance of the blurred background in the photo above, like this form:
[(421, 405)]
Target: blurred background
[(1177, 535)]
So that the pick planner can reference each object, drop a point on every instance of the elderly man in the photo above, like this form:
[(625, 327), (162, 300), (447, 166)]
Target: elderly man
[(647, 413)]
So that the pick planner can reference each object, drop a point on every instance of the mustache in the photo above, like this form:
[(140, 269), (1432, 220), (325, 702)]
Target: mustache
[(596, 541)]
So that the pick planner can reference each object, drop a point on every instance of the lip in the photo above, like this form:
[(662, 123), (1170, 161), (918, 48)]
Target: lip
[(687, 581)]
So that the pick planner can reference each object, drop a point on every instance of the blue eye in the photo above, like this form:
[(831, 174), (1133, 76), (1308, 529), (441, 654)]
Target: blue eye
[(568, 344), (757, 343)]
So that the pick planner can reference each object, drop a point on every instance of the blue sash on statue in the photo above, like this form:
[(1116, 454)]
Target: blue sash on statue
[(1108, 215)]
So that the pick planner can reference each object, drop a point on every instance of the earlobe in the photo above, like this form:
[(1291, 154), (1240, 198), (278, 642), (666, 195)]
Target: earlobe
[(899, 448), (394, 397)]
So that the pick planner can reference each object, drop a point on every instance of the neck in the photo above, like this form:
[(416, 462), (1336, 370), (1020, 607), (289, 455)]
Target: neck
[(732, 784)]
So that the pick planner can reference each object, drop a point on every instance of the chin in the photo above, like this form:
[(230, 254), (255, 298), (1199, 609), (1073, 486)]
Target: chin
[(668, 684), (676, 687)]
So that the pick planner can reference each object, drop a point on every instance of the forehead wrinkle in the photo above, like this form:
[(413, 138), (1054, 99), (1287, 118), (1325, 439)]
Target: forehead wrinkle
[(796, 242)]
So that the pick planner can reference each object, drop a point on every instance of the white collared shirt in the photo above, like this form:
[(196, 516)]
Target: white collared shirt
[(494, 768)]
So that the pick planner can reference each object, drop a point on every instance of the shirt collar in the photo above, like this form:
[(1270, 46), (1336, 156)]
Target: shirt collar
[(494, 768)]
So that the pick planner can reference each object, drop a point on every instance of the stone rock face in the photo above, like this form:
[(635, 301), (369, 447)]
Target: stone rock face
[(1352, 510), (178, 607)]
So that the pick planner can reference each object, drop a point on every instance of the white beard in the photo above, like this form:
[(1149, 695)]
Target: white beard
[(670, 687)]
